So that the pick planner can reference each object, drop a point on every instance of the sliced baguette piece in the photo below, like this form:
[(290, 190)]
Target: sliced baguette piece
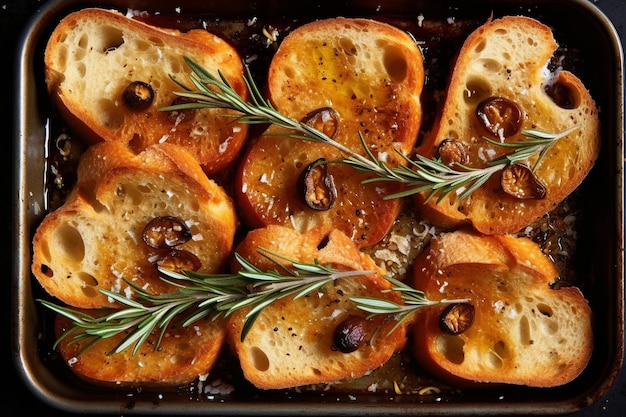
[(371, 74), (184, 355), (95, 240), (291, 341), (508, 58), (93, 55), (524, 332)]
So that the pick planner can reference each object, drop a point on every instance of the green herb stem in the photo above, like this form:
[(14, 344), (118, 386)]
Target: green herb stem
[(419, 175)]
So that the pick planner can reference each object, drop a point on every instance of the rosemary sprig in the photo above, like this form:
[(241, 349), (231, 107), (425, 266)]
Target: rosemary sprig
[(439, 179), (419, 175), (201, 295), (412, 298)]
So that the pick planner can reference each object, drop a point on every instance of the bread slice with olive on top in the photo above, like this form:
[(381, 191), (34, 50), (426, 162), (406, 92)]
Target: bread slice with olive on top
[(109, 75), (514, 329), (346, 77), (321, 337), (500, 87), (185, 354), (127, 215)]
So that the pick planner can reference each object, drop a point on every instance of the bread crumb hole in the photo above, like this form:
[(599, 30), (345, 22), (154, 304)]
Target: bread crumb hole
[(259, 359), (289, 72), (89, 292), (493, 360), (501, 349), (87, 278), (80, 52), (143, 188), (111, 38), (130, 194), (480, 46), (47, 271), (451, 347), (157, 41), (69, 240), (524, 331), (349, 48), (490, 65), (395, 63), (545, 309), (181, 359), (81, 69), (476, 90)]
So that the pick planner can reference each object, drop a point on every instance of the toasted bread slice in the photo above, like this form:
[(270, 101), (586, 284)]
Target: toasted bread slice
[(184, 354), (370, 75), (524, 332), (94, 55), (96, 239), (291, 342), (508, 58)]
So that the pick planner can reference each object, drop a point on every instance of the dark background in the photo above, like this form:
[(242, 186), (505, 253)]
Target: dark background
[(16, 399)]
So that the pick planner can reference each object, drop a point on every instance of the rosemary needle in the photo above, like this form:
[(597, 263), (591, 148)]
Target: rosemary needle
[(419, 175), (199, 295)]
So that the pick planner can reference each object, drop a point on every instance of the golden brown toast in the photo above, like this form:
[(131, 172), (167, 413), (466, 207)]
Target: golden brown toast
[(370, 76), (184, 354), (507, 59), (97, 239), (524, 332), (102, 67), (292, 342)]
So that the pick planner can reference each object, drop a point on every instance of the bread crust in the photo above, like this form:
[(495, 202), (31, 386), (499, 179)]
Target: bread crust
[(291, 342), (524, 332), (372, 75), (95, 240), (508, 58), (94, 54)]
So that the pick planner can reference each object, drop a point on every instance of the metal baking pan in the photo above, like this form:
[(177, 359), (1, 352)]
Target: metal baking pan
[(594, 48)]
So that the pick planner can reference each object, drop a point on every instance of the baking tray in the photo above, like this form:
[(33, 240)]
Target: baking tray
[(579, 27)]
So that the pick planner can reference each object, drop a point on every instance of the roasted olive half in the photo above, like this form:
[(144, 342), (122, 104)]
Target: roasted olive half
[(520, 182), (165, 232), (138, 96), (325, 120), (178, 260), (350, 334), (457, 318), (317, 186), (452, 152), (500, 116)]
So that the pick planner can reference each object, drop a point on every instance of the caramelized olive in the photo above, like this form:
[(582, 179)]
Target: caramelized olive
[(138, 96), (500, 116), (457, 318), (325, 120), (452, 152), (520, 182), (178, 260), (317, 186), (350, 334), (165, 232)]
